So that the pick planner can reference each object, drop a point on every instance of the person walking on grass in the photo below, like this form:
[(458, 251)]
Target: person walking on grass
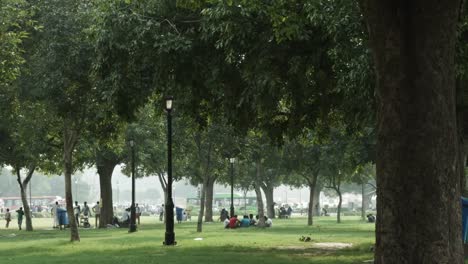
[(7, 217), (19, 215), (77, 212)]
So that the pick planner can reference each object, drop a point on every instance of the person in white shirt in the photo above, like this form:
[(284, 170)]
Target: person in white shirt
[(97, 213), (77, 212), (226, 223), (137, 213), (55, 214), (268, 222)]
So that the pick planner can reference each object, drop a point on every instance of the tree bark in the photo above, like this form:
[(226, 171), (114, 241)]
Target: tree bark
[(105, 167), (209, 200), (163, 182), (310, 211), (363, 201), (318, 189), (258, 192), (340, 201), (418, 172), (312, 204), (270, 202), (202, 207), (69, 142), (24, 198)]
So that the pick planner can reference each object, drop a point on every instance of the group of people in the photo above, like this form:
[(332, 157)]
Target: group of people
[(19, 216), (77, 212), (285, 213), (246, 221)]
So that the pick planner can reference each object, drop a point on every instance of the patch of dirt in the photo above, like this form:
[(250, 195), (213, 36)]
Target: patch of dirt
[(332, 245), (324, 246)]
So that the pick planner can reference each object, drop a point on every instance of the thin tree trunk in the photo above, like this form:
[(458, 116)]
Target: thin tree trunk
[(202, 207), (69, 141), (209, 200), (270, 203), (310, 209), (418, 171), (105, 168), (258, 192), (23, 187), (363, 203), (163, 182), (340, 201)]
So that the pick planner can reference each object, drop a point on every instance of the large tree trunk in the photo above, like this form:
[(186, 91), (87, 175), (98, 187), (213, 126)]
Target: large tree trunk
[(258, 192), (202, 207), (209, 200), (317, 209), (23, 187), (105, 167), (312, 203), (418, 173), (270, 202), (69, 141)]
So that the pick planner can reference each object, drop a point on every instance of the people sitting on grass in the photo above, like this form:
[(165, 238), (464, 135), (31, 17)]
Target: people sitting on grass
[(245, 222), (268, 222), (370, 218), (252, 220), (234, 222), (226, 223)]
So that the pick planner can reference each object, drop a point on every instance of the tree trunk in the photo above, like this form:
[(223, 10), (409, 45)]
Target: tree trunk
[(23, 188), (418, 172), (312, 204), (317, 209), (270, 203), (105, 168), (163, 182), (69, 141), (202, 207), (258, 192), (209, 200), (310, 211), (340, 201), (363, 201)]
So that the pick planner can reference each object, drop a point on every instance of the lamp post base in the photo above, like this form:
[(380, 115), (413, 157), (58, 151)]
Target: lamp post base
[(132, 228), (169, 239)]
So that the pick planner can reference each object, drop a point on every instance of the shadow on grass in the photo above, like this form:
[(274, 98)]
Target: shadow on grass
[(180, 254)]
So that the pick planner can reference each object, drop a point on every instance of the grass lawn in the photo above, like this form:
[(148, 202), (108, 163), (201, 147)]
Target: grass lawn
[(279, 244)]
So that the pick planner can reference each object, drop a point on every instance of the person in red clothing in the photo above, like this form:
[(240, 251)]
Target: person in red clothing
[(233, 222)]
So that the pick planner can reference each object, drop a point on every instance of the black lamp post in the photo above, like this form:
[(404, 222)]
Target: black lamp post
[(169, 238), (231, 160), (132, 227)]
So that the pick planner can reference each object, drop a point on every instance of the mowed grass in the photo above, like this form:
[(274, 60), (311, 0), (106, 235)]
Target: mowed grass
[(279, 244)]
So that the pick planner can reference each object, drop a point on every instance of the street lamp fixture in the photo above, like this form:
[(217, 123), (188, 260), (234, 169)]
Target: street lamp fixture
[(169, 237), (232, 160), (132, 227), (169, 101)]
